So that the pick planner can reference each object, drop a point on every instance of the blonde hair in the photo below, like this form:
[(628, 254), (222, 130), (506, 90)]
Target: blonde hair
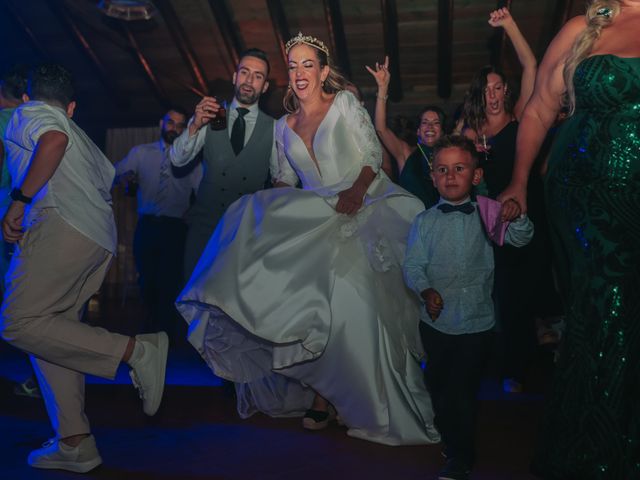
[(599, 15), (334, 82)]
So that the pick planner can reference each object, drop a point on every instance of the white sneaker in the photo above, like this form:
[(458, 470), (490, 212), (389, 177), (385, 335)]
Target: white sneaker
[(56, 455), (147, 374)]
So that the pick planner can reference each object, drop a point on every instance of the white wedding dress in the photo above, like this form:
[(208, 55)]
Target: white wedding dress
[(291, 296)]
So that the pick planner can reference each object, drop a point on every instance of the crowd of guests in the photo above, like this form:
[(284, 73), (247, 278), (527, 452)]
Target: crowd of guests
[(319, 257)]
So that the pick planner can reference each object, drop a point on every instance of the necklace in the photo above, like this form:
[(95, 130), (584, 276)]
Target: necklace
[(426, 157)]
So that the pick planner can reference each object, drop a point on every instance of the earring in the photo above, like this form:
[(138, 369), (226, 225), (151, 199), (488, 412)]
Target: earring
[(322, 83)]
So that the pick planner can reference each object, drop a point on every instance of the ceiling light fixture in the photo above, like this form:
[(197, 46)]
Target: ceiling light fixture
[(128, 10)]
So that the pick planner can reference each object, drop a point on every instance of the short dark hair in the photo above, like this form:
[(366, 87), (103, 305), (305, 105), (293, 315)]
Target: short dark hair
[(437, 110), (13, 83), (51, 82), (178, 109), (257, 53), (459, 141)]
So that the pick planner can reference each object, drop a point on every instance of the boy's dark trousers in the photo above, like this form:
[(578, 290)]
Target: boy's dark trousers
[(455, 364)]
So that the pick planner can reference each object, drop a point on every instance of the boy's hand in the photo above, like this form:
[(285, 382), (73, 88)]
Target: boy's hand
[(12, 230), (432, 302), (510, 210)]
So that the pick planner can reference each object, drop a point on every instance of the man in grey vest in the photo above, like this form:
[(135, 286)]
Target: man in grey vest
[(236, 158)]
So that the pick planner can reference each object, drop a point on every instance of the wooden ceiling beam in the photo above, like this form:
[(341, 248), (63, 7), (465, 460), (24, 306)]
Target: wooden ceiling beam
[(60, 10), (169, 16), (280, 26), (144, 63), (391, 47), (232, 41), (125, 46), (445, 47), (35, 43), (338, 40)]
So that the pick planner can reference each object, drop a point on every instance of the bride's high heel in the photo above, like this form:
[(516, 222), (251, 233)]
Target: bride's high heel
[(318, 419)]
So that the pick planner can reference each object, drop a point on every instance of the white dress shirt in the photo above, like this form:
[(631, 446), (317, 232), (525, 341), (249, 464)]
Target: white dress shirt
[(146, 161)]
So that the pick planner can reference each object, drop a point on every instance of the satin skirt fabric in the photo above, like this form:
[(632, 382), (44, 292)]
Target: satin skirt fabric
[(291, 297)]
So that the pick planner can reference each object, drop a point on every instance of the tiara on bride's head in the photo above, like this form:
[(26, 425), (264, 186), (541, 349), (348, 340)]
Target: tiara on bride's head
[(307, 40)]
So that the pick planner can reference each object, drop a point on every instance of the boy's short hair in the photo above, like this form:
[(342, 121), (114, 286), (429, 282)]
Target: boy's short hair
[(259, 54), (51, 83), (13, 83), (459, 141)]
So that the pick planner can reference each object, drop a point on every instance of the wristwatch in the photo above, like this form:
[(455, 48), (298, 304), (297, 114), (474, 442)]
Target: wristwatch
[(17, 196)]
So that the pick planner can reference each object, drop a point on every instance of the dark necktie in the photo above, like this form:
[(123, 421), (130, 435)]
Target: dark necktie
[(464, 208), (237, 132)]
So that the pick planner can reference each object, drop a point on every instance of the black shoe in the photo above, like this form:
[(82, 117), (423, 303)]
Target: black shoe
[(317, 419)]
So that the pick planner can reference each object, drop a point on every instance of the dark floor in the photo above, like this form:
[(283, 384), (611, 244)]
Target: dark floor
[(197, 433)]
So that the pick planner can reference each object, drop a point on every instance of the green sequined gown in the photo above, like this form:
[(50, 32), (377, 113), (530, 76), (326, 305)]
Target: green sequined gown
[(591, 428)]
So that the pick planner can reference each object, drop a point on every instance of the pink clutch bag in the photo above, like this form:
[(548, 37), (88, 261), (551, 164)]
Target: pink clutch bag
[(490, 214)]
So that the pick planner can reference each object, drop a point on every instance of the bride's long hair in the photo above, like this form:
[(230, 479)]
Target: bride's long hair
[(334, 82), (600, 14)]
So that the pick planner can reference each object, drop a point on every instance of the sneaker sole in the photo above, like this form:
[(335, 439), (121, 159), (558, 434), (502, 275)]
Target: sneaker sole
[(163, 348), (75, 467)]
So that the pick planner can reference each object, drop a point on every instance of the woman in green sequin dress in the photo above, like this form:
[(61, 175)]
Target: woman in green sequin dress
[(591, 428)]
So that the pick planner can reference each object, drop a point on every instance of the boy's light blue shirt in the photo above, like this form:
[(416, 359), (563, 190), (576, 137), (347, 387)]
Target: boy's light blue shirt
[(451, 253)]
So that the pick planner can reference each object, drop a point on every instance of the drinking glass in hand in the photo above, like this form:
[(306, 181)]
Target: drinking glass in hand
[(220, 120)]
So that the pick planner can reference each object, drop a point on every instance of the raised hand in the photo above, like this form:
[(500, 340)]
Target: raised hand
[(381, 73), (500, 18), (206, 110)]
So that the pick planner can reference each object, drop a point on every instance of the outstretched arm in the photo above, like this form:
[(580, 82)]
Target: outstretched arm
[(541, 111), (399, 149), (502, 18)]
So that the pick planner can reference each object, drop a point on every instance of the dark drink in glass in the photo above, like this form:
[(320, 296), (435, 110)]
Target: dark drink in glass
[(220, 121)]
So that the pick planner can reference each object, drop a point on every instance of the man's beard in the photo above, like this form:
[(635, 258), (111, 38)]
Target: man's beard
[(246, 99), (169, 136)]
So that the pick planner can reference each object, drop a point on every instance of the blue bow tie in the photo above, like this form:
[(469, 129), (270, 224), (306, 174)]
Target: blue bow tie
[(467, 208)]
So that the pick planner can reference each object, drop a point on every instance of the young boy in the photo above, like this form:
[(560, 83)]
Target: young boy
[(61, 218), (449, 264)]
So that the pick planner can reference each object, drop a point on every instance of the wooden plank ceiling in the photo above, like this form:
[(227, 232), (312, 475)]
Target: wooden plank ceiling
[(127, 72)]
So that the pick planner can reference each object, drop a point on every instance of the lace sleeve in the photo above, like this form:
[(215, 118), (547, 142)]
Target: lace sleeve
[(282, 172), (362, 129)]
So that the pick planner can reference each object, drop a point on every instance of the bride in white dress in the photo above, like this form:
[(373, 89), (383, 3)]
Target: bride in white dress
[(299, 296)]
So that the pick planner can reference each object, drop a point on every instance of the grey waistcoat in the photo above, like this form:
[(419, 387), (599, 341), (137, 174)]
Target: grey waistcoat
[(227, 177)]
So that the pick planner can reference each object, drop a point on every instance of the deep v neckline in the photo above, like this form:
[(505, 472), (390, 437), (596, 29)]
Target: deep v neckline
[(312, 153)]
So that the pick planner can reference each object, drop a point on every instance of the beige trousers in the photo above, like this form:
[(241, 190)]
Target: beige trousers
[(54, 272)]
